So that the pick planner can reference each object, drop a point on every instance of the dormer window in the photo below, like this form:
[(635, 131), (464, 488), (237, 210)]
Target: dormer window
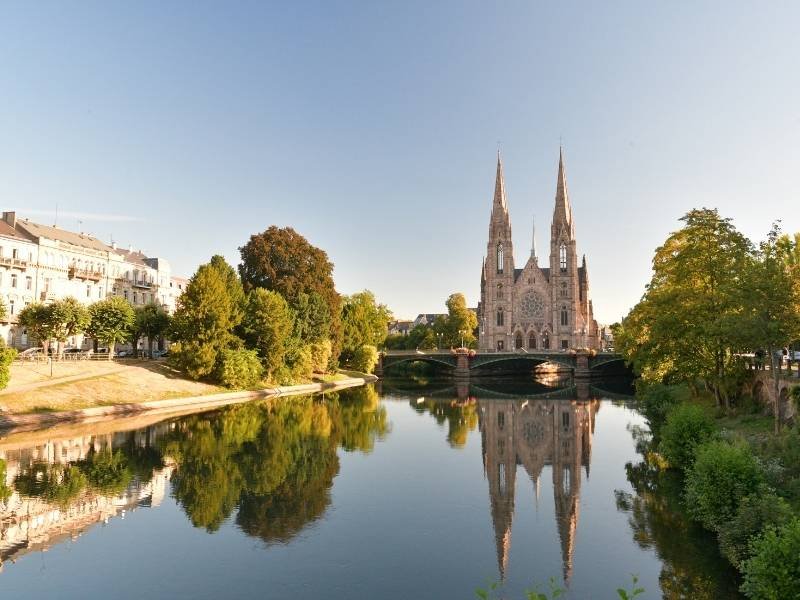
[(500, 257)]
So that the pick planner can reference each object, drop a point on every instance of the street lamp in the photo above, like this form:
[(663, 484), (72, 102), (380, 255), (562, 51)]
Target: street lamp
[(462, 332)]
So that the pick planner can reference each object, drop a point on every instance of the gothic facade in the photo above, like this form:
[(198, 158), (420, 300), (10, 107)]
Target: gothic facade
[(536, 307)]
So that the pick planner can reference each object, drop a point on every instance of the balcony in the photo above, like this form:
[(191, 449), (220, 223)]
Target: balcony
[(46, 296), (8, 262), (85, 274), (142, 284)]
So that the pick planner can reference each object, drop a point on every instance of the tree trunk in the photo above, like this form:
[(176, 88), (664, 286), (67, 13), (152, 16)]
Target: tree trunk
[(111, 346), (775, 389)]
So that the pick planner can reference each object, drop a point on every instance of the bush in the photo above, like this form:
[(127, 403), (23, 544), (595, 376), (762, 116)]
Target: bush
[(300, 363), (773, 572), (755, 512), (7, 356), (722, 474), (687, 427), (365, 358), (196, 360), (239, 368), (654, 402), (321, 355), (782, 452)]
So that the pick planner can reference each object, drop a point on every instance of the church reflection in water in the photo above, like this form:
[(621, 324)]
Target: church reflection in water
[(535, 434)]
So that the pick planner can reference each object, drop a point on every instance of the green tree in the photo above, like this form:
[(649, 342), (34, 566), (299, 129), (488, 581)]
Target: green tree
[(204, 321), (771, 318), (110, 322), (364, 358), (312, 318), (34, 318), (755, 512), (364, 322), (461, 322), (773, 571), (722, 474), (267, 327), (687, 427), (421, 337), (152, 322), (239, 368), (282, 260), (233, 285), (684, 327), (66, 318)]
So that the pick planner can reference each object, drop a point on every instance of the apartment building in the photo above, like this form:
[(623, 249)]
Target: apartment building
[(43, 263)]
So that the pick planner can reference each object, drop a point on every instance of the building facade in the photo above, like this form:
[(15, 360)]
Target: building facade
[(42, 263), (535, 307)]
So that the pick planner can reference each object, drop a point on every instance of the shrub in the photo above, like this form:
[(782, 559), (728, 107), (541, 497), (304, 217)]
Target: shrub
[(300, 363), (755, 512), (7, 356), (196, 360), (321, 355), (654, 402), (783, 451), (773, 571), (239, 368), (687, 427), (365, 358), (722, 474)]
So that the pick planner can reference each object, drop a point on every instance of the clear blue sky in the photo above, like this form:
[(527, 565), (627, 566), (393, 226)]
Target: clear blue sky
[(372, 127)]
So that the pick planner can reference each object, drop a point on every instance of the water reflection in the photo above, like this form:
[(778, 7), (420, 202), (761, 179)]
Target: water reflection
[(273, 463)]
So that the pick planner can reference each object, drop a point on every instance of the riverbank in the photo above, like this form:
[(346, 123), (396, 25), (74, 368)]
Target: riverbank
[(107, 395)]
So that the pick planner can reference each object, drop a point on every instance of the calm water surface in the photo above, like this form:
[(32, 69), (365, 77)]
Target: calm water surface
[(404, 492)]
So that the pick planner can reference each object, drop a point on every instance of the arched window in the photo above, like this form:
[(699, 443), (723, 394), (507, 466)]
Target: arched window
[(518, 341), (563, 289), (500, 319), (531, 341), (564, 316), (546, 341), (562, 256), (499, 291), (500, 257)]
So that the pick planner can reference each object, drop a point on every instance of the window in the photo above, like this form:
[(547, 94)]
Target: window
[(501, 479), (501, 420), (88, 291), (134, 297), (563, 289), (13, 280), (565, 344), (500, 344), (518, 341), (500, 257), (125, 293), (500, 316), (564, 316), (15, 253), (29, 283), (565, 421), (562, 256), (1, 251), (532, 341), (546, 341), (499, 291), (11, 307), (100, 292)]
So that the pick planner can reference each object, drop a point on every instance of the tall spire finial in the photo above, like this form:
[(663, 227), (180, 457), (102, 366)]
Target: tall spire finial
[(533, 240), (500, 184), (563, 210)]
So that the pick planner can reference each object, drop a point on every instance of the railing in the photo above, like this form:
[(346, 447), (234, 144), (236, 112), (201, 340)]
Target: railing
[(142, 284), (6, 261), (87, 274)]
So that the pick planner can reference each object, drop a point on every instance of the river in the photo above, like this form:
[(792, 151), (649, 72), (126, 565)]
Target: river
[(405, 490)]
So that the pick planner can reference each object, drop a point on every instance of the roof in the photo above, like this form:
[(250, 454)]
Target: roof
[(133, 256), (8, 230), (62, 235)]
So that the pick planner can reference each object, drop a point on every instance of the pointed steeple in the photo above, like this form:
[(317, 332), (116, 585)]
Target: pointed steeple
[(533, 241), (562, 214), (499, 187)]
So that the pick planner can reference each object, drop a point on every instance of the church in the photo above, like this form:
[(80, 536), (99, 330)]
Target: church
[(536, 307)]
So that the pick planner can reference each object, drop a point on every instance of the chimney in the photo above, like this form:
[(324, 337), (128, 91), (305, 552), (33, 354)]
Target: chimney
[(114, 245), (10, 218)]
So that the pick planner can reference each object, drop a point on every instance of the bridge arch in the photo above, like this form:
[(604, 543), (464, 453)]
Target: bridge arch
[(565, 360)]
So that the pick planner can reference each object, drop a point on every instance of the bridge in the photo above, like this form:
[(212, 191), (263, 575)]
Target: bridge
[(462, 362)]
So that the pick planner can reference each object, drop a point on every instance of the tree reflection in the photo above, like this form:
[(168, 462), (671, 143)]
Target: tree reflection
[(691, 564), (275, 460), (461, 417)]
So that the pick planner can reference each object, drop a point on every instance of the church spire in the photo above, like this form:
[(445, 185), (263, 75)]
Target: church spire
[(533, 241), (562, 214), (500, 186)]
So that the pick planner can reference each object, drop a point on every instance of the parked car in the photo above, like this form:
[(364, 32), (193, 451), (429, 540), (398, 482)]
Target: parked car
[(31, 354)]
